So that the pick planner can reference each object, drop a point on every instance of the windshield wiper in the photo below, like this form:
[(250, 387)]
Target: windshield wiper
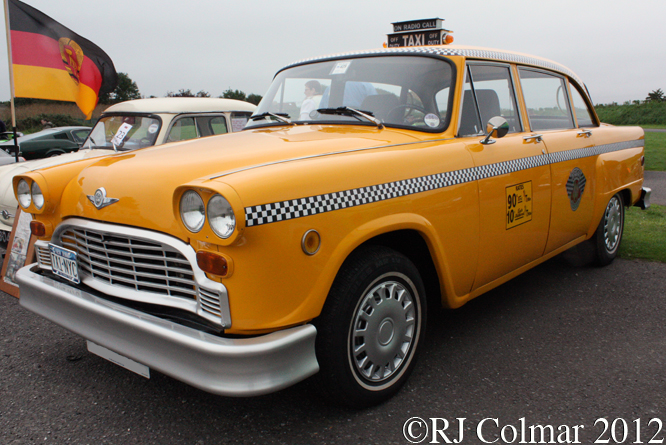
[(347, 111), (282, 117)]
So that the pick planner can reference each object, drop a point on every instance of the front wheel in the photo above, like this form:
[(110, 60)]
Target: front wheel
[(609, 233), (370, 328)]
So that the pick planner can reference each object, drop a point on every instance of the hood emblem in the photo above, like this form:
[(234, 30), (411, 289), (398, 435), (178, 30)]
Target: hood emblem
[(100, 200)]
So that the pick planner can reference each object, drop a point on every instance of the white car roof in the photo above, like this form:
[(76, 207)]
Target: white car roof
[(181, 105)]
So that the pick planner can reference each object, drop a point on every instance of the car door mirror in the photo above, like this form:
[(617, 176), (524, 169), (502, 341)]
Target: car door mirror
[(497, 127)]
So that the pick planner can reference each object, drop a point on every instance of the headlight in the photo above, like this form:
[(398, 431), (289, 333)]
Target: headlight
[(37, 196), (221, 216), (23, 192), (192, 211)]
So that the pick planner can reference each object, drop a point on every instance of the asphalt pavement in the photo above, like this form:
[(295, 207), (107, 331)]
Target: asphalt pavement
[(557, 346), (657, 182)]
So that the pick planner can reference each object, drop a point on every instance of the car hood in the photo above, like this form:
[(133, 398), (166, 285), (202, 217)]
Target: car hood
[(144, 180)]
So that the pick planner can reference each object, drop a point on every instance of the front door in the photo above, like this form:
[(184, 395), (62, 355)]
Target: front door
[(513, 177)]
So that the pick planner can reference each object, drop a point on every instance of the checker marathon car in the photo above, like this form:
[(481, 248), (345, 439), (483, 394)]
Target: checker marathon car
[(366, 188)]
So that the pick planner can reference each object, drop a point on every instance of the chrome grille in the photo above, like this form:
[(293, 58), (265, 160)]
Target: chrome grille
[(210, 302), (135, 263), (43, 255)]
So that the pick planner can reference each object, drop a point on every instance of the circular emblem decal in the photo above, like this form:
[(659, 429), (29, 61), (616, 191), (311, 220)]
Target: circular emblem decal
[(431, 120), (153, 128), (575, 187), (98, 199), (72, 57)]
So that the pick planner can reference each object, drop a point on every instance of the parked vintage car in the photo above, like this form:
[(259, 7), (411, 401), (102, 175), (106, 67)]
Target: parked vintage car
[(48, 142), (151, 122), (6, 158), (313, 243)]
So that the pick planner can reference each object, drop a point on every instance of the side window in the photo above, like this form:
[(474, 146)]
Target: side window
[(80, 135), (238, 121), (493, 93), (546, 100), (584, 117), (62, 136), (218, 125), (182, 130)]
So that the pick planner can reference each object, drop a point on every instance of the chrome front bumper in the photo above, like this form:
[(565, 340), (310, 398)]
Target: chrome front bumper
[(229, 367)]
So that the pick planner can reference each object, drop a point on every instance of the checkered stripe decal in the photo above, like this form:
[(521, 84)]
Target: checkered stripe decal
[(312, 205), (593, 151), (444, 51)]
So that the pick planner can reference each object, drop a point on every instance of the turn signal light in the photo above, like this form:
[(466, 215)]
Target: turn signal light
[(37, 228), (213, 263), (311, 242)]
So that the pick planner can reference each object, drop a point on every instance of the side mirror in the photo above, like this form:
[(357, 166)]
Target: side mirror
[(497, 127)]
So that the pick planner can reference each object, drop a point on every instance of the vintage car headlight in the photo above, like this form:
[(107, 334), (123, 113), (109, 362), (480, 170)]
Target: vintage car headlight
[(23, 193), (221, 216), (37, 196), (192, 211)]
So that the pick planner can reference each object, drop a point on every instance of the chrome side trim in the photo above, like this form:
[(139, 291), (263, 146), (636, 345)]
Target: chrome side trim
[(196, 305), (224, 366)]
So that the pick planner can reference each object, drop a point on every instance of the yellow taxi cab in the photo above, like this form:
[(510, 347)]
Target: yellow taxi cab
[(366, 187)]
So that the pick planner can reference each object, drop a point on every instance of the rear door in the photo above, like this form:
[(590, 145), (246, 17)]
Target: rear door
[(570, 141)]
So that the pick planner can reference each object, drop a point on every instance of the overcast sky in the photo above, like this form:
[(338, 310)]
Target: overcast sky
[(616, 46)]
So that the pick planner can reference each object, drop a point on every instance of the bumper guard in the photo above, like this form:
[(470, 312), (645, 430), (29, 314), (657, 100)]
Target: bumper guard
[(224, 366)]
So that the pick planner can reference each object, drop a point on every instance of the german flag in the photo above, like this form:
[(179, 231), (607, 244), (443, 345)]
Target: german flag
[(52, 62)]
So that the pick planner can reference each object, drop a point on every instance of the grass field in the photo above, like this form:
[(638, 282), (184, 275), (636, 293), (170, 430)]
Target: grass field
[(655, 151), (645, 234), (645, 231)]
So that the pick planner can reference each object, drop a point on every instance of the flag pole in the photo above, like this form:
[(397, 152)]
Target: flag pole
[(11, 78)]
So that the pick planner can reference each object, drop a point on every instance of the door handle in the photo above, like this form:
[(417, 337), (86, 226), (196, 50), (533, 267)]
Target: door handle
[(537, 138), (586, 133)]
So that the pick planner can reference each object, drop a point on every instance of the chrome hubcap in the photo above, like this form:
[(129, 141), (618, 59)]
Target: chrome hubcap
[(383, 331), (612, 224)]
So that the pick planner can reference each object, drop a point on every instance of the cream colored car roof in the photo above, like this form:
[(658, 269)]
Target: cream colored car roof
[(178, 105)]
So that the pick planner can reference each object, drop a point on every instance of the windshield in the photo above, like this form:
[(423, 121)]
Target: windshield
[(403, 91), (125, 132)]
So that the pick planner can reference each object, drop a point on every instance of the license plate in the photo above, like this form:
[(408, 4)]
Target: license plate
[(63, 263), (119, 360)]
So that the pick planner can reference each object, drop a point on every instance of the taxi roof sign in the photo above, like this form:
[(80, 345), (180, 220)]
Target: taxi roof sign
[(417, 25), (419, 33)]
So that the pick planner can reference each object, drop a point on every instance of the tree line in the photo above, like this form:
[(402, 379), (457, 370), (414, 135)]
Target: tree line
[(127, 89)]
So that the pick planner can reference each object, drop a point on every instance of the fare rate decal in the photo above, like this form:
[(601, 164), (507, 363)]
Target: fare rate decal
[(518, 204)]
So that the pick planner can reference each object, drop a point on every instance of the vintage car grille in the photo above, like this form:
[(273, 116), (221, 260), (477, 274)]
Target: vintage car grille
[(142, 265), (139, 265)]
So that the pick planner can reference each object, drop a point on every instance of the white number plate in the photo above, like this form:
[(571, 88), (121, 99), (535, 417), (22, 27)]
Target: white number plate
[(119, 360), (63, 262)]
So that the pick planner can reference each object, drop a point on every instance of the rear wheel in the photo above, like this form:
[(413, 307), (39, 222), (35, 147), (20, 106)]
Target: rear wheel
[(609, 232), (370, 328)]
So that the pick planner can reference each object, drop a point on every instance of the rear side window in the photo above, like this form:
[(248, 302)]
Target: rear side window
[(546, 100), (584, 117), (182, 130), (80, 135), (212, 125)]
